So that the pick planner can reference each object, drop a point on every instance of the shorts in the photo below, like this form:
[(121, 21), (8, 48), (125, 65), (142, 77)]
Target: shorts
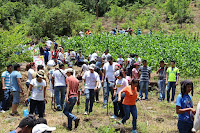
[(16, 97)]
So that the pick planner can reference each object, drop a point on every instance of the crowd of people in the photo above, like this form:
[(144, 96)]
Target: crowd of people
[(121, 79)]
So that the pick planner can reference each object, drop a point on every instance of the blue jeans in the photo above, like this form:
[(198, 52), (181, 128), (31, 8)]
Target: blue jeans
[(68, 110), (133, 110), (6, 100), (169, 86), (161, 86), (106, 89), (118, 106), (89, 95), (59, 90), (144, 85), (184, 127)]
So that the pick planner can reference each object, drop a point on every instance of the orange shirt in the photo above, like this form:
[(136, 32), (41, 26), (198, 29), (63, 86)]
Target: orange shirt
[(130, 96)]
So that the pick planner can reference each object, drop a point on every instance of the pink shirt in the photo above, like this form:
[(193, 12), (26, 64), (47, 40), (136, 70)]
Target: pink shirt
[(73, 86), (136, 73)]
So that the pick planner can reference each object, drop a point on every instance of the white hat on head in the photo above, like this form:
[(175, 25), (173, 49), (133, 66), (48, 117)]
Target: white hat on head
[(39, 128), (69, 70), (92, 66)]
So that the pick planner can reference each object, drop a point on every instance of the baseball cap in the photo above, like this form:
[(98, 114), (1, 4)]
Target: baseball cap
[(92, 66), (39, 128), (69, 70), (136, 64), (118, 65)]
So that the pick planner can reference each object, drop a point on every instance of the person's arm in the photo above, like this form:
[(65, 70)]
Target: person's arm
[(133, 75), (52, 81), (3, 83), (20, 85), (196, 126), (158, 70), (79, 94), (103, 74), (28, 93), (83, 85), (45, 88), (67, 92), (97, 84), (119, 95), (181, 111), (177, 79)]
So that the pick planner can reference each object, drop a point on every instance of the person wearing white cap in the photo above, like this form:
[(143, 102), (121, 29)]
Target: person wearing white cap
[(38, 96), (72, 93), (91, 80), (43, 128)]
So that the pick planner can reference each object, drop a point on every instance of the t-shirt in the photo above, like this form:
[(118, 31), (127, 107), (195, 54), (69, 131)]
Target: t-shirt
[(138, 60), (30, 72), (172, 74), (120, 84), (85, 68), (59, 79), (129, 62), (162, 73), (6, 75), (130, 96), (145, 71), (72, 54), (80, 58), (90, 79), (73, 86), (67, 55), (81, 34), (93, 57), (110, 71), (51, 73), (38, 90), (54, 54), (105, 56), (136, 73), (60, 56), (13, 79), (12, 131), (48, 43), (120, 60), (185, 102)]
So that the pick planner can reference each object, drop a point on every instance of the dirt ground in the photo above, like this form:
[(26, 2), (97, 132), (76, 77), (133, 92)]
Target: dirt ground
[(153, 116)]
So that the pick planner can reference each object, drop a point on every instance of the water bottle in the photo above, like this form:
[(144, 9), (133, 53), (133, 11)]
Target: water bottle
[(25, 113)]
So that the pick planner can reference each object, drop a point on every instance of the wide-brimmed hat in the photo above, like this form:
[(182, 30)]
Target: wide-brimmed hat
[(117, 73), (69, 70), (41, 74)]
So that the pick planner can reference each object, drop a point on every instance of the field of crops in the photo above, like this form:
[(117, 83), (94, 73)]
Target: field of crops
[(181, 48)]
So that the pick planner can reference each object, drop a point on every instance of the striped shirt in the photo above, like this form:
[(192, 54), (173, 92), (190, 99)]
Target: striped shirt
[(6, 75), (145, 71)]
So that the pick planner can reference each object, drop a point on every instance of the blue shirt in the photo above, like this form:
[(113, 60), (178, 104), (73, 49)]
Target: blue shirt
[(145, 71), (6, 75), (12, 131), (13, 78), (185, 102)]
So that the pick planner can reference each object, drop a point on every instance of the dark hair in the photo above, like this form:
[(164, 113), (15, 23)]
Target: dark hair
[(144, 61), (40, 67), (61, 65), (9, 65), (135, 81), (173, 61), (29, 65), (41, 121), (136, 54), (106, 51), (162, 61), (47, 132), (184, 86), (16, 66), (121, 74), (27, 121)]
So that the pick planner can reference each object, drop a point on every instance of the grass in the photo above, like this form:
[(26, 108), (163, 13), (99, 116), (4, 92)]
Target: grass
[(153, 117)]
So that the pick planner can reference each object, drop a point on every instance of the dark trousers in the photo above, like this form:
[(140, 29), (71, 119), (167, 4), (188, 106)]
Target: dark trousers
[(6, 102), (184, 127), (118, 106), (39, 105), (89, 95)]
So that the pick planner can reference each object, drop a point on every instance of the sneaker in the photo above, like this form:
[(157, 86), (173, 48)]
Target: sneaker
[(172, 102), (143, 98), (86, 113), (113, 117), (59, 109), (69, 128), (134, 131), (2, 111), (77, 122)]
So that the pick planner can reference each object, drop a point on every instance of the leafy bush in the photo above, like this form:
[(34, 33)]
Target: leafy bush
[(116, 13)]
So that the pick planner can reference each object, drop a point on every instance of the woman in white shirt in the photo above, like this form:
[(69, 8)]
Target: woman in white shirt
[(38, 88), (31, 69)]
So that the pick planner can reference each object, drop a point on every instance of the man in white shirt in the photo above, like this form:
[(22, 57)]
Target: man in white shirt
[(91, 80), (48, 43), (108, 79), (105, 55), (58, 79), (120, 60), (93, 58), (138, 59)]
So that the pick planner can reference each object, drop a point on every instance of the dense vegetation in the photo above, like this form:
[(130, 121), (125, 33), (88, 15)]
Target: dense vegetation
[(184, 50)]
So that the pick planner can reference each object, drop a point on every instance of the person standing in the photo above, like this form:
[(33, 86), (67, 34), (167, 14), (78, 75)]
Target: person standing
[(120, 60), (145, 75), (91, 80), (105, 55), (58, 79), (5, 76), (172, 78), (108, 79), (31, 69), (16, 88), (72, 93), (135, 71), (38, 96), (162, 78), (138, 59)]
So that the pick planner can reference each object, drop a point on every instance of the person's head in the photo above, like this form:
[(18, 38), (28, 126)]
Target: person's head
[(186, 87), (69, 72), (30, 65), (173, 63), (43, 128), (136, 55), (162, 63), (70, 64), (41, 121), (119, 74), (136, 65), (144, 62), (92, 67), (9, 68), (106, 51), (117, 67), (40, 75), (17, 67), (62, 66), (134, 83), (110, 59), (85, 61), (40, 67), (120, 56), (124, 71), (26, 125)]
